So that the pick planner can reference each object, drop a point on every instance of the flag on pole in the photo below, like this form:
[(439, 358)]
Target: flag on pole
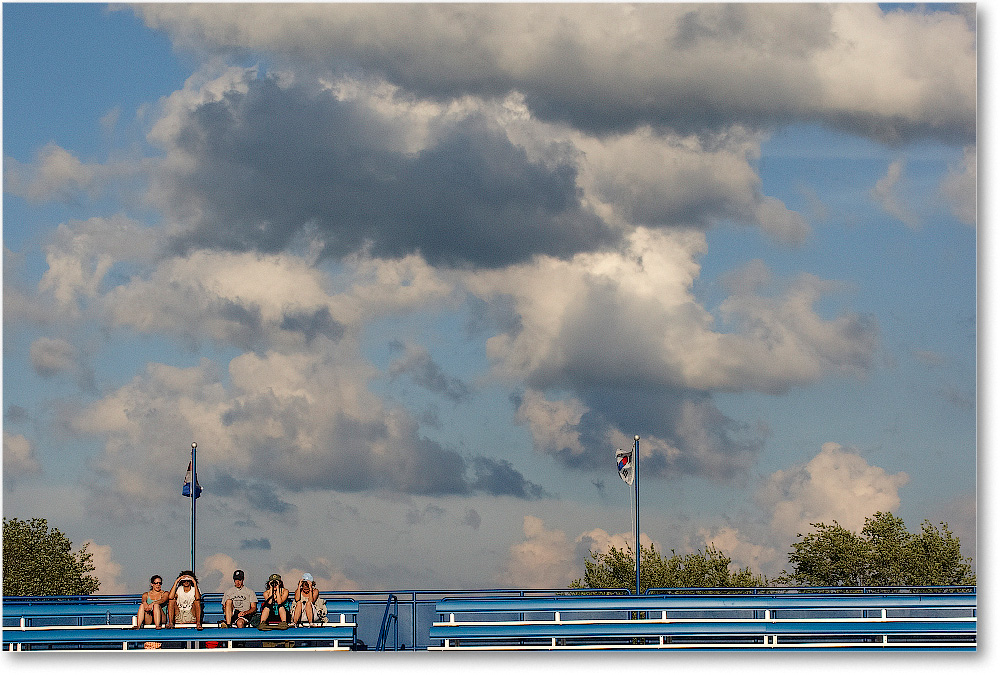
[(625, 465), (186, 491)]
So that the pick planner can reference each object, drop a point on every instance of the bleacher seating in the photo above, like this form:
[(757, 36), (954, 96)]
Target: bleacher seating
[(698, 621), (97, 625)]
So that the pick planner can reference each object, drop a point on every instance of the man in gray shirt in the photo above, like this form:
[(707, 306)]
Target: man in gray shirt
[(239, 604)]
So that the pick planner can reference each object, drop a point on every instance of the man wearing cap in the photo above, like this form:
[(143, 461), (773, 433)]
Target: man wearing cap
[(239, 604)]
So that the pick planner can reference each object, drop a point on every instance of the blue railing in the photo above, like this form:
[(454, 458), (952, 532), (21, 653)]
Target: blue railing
[(414, 609), (390, 621)]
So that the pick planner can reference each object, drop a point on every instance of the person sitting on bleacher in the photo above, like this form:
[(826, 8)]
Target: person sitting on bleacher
[(151, 608), (275, 600), (306, 593), (185, 602), (239, 604)]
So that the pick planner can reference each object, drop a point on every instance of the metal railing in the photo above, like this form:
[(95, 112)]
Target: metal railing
[(414, 609)]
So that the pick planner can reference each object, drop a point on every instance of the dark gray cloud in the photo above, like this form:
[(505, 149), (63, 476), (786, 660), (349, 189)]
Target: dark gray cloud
[(274, 162), (262, 544), (311, 324), (684, 430), (499, 477), (472, 519), (405, 463), (425, 372)]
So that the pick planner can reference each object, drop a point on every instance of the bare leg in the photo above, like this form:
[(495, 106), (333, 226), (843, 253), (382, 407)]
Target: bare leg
[(197, 614), (157, 616), (171, 612), (309, 612), (282, 614), (264, 613), (297, 613), (227, 610)]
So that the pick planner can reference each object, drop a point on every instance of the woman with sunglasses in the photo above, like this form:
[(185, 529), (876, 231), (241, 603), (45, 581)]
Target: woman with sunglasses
[(151, 608)]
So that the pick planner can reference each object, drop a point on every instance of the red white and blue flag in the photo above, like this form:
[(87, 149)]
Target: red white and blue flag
[(625, 465), (186, 490)]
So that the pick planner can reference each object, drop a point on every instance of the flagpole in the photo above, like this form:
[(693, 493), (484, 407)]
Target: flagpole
[(194, 497), (638, 548)]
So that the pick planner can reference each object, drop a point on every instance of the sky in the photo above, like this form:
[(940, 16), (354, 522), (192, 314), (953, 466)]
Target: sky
[(410, 274)]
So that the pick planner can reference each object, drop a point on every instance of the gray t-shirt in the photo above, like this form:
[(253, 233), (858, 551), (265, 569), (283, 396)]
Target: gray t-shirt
[(241, 597)]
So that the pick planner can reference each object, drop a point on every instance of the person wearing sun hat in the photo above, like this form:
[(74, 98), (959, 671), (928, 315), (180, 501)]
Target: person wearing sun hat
[(306, 593), (275, 600)]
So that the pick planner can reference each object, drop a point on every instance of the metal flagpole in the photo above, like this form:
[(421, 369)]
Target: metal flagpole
[(194, 497), (638, 548)]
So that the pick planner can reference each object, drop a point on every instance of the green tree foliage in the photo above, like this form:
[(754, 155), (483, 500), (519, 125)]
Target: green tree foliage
[(884, 553), (703, 569), (40, 561)]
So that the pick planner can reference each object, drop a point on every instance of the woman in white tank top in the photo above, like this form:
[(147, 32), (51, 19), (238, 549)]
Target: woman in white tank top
[(185, 600)]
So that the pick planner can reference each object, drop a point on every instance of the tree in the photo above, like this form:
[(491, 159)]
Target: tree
[(702, 569), (884, 553), (40, 561)]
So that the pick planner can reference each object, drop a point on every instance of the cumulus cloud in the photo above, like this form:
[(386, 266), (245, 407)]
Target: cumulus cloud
[(18, 457), (548, 559), (106, 569), (729, 64), (837, 484), (623, 332), (262, 163), (56, 175), (545, 559), (81, 254)]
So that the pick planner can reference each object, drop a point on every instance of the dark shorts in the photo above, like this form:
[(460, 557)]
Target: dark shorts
[(236, 614)]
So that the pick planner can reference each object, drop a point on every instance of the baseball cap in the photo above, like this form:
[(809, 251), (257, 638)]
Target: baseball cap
[(238, 574), (307, 576), (274, 577)]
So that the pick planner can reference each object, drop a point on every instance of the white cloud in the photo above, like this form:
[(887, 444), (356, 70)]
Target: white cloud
[(81, 253), (107, 570), (58, 175), (18, 457), (837, 484), (552, 423), (548, 559), (729, 64), (545, 559)]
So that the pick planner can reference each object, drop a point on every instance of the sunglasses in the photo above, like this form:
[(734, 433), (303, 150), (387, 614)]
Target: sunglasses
[(155, 583)]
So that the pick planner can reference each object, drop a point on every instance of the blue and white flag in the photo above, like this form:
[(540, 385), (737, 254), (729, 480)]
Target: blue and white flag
[(625, 465), (186, 491)]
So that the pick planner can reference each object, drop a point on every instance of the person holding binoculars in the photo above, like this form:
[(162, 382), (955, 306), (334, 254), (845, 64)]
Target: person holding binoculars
[(275, 599), (306, 593)]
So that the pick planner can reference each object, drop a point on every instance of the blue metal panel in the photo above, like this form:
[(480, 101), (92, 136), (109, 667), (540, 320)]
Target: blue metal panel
[(536, 630), (120, 635), (704, 602)]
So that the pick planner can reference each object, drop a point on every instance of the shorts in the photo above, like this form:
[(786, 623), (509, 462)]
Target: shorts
[(249, 617), (185, 615)]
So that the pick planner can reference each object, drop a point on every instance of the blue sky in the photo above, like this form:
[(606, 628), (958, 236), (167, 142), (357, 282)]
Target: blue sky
[(409, 276)]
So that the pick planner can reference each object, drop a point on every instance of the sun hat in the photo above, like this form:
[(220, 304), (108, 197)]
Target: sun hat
[(307, 577)]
